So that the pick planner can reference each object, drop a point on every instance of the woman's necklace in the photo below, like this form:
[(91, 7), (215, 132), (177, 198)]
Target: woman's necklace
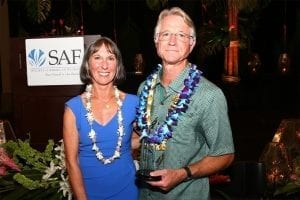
[(162, 133), (92, 134), (107, 104)]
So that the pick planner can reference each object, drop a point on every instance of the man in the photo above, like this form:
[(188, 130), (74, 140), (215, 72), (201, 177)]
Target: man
[(182, 118)]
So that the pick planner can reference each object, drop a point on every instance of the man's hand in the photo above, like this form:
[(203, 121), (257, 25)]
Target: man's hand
[(169, 178)]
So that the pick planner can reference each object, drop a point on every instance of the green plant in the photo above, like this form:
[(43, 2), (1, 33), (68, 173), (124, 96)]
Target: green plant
[(214, 33), (42, 175), (38, 10)]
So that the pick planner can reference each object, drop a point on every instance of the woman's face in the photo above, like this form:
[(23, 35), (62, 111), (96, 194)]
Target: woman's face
[(103, 66)]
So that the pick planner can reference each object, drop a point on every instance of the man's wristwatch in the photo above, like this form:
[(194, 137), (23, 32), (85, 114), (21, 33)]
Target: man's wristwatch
[(188, 172)]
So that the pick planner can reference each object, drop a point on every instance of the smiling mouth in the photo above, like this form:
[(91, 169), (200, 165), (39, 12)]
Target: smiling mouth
[(104, 73)]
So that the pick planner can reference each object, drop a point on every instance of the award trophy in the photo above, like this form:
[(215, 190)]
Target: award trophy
[(147, 162)]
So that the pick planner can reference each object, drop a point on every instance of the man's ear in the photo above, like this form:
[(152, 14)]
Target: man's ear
[(155, 39), (192, 45)]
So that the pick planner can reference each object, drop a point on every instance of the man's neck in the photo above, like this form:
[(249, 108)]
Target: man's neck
[(171, 72)]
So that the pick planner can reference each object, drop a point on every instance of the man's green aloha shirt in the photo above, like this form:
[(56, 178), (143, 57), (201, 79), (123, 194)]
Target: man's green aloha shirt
[(203, 130)]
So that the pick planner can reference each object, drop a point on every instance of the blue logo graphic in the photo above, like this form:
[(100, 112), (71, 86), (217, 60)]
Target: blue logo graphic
[(36, 57)]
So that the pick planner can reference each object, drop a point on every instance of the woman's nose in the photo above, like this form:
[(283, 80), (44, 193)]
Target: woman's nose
[(103, 64)]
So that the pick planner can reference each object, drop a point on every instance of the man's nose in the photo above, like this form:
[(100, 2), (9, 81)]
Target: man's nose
[(173, 38)]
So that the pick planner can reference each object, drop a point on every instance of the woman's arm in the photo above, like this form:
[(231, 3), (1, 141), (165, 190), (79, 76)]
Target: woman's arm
[(135, 141), (71, 141)]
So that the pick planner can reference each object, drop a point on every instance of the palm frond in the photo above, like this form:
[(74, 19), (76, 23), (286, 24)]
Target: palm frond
[(38, 10)]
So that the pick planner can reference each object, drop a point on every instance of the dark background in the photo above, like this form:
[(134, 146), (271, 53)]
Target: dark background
[(256, 104), (131, 22)]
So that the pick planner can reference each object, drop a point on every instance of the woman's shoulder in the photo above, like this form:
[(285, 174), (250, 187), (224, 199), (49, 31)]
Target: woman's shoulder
[(132, 96), (131, 99), (74, 100)]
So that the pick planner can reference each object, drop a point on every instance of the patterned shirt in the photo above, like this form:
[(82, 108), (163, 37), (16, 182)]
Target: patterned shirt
[(204, 130)]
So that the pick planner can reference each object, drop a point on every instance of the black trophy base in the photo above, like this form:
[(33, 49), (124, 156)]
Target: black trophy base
[(144, 175)]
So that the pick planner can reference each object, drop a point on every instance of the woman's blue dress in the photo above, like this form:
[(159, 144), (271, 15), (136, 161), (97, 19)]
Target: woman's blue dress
[(115, 181)]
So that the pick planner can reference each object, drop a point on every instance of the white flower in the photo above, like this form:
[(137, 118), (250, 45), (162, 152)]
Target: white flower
[(64, 183), (49, 171), (89, 88), (107, 161), (117, 154), (95, 148), (119, 143), (92, 135), (121, 130), (99, 155), (90, 117), (88, 106), (65, 188)]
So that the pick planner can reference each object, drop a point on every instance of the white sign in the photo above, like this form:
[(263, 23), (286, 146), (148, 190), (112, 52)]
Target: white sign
[(54, 61)]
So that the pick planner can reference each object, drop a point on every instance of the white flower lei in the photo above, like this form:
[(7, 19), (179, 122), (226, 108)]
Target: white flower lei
[(92, 134)]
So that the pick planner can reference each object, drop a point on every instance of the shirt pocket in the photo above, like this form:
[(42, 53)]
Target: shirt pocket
[(186, 128)]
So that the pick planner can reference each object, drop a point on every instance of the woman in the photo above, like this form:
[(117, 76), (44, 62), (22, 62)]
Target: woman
[(98, 129)]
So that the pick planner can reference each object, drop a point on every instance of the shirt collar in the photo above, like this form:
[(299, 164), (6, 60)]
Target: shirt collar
[(177, 84)]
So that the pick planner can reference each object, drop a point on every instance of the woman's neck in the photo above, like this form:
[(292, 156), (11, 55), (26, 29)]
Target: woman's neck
[(103, 92)]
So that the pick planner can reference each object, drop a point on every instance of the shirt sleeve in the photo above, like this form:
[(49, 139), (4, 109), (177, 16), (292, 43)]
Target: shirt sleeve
[(215, 123)]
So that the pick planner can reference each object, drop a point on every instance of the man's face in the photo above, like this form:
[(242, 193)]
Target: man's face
[(174, 42)]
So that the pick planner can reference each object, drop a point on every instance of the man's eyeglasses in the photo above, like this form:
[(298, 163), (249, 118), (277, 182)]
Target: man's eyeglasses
[(183, 37)]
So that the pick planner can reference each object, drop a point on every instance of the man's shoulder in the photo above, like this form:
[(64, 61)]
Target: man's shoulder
[(207, 84), (208, 89)]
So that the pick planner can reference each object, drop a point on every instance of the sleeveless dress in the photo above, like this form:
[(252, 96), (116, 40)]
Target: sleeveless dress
[(115, 181)]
